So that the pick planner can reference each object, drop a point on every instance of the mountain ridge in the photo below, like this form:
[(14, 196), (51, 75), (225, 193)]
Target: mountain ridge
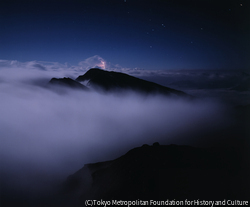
[(111, 81), (67, 82), (163, 172)]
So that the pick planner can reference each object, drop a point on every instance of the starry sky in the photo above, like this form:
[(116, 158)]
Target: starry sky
[(146, 34)]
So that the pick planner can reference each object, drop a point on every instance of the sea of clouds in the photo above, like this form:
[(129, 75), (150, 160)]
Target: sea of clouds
[(45, 135)]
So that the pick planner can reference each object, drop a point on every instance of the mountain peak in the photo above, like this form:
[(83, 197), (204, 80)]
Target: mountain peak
[(113, 81)]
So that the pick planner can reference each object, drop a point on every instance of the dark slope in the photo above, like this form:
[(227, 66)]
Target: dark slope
[(67, 82), (243, 86), (112, 81), (164, 172)]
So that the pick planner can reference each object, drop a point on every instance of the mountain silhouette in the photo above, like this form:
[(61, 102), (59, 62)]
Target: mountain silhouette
[(67, 82), (115, 81), (163, 172)]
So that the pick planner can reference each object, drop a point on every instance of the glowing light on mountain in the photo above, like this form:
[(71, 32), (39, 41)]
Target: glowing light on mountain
[(103, 64)]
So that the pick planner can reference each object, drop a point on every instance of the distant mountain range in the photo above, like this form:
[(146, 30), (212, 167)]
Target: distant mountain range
[(110, 81), (164, 172)]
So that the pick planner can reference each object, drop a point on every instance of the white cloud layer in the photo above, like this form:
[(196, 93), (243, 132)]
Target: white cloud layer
[(46, 136), (93, 62)]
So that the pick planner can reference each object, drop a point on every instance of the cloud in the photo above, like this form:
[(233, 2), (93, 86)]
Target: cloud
[(35, 72), (39, 66), (201, 83), (15, 70), (44, 130), (46, 136), (93, 62)]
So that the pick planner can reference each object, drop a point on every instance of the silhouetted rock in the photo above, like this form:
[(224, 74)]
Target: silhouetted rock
[(113, 81), (156, 144), (162, 172), (67, 82), (242, 113)]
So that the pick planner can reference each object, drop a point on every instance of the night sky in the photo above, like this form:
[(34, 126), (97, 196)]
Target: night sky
[(201, 47), (146, 34)]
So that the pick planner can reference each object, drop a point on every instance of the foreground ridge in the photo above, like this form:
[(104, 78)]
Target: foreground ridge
[(162, 172)]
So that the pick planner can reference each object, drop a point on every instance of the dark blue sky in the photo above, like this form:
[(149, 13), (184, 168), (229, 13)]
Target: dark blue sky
[(149, 34)]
